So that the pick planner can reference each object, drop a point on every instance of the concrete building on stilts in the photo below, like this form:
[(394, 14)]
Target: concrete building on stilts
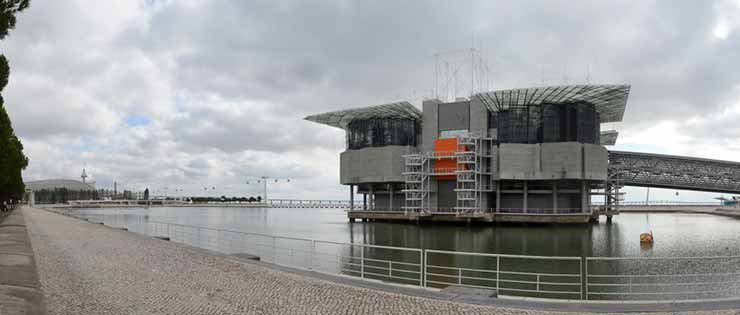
[(519, 155)]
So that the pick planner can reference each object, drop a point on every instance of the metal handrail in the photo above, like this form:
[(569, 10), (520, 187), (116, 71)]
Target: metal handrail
[(353, 260)]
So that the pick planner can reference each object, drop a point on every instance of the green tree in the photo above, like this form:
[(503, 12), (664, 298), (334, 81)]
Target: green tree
[(12, 159), (146, 194)]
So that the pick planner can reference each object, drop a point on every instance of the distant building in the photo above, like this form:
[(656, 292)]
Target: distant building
[(51, 184)]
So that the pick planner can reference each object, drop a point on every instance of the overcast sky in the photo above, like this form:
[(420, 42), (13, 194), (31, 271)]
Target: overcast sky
[(188, 94)]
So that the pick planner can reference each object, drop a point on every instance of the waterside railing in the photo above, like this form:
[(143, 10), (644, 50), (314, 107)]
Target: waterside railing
[(549, 277)]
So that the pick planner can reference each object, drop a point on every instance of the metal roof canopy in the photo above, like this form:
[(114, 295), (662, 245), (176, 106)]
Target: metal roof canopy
[(340, 119), (609, 100), (608, 137)]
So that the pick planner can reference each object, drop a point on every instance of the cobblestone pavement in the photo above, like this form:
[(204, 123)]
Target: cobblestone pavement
[(91, 269)]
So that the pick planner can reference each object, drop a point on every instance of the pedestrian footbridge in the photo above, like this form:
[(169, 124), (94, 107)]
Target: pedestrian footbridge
[(674, 172)]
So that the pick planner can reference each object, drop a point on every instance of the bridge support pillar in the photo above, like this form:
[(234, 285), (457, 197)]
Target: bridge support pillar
[(351, 198), (390, 197), (554, 197), (526, 195)]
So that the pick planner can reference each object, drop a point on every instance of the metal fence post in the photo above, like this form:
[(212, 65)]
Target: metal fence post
[(362, 261), (584, 276), (313, 249), (274, 251), (498, 274), (423, 267)]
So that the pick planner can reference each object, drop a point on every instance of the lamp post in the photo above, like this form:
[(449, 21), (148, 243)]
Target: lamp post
[(263, 180)]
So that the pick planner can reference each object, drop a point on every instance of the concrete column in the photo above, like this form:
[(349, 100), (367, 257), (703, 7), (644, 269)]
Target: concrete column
[(351, 197), (585, 198), (498, 196), (364, 202), (554, 197), (390, 197), (526, 195)]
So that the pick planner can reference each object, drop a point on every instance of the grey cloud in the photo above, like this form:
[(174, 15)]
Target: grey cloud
[(78, 70)]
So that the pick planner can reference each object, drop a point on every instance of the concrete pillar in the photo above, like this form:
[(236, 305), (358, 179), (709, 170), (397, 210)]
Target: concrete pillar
[(364, 202), (585, 198), (351, 197), (526, 195), (498, 196), (390, 197), (554, 197)]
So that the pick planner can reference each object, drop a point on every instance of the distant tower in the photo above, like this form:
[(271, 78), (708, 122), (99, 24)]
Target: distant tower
[(84, 175)]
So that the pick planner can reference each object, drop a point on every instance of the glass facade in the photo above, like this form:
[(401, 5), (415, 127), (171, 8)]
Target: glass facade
[(381, 132), (549, 122)]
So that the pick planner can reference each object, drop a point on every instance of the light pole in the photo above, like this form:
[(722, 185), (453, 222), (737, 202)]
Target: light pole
[(647, 197), (264, 179)]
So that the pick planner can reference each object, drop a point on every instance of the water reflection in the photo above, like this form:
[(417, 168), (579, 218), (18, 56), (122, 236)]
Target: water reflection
[(675, 234)]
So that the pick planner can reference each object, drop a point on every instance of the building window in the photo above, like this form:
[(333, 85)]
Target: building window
[(381, 132)]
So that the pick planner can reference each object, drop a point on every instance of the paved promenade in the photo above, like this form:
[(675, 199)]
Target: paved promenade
[(92, 269)]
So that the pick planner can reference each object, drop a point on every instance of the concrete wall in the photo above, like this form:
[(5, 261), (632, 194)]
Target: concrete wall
[(558, 160), (382, 201), (478, 117), (429, 127), (373, 165), (446, 195), (518, 161), (454, 116), (561, 160), (595, 161)]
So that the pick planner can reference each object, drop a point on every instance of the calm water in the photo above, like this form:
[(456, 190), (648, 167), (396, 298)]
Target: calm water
[(675, 234)]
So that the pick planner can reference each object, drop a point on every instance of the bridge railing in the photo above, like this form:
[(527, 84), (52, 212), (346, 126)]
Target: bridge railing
[(658, 203), (312, 203), (603, 279)]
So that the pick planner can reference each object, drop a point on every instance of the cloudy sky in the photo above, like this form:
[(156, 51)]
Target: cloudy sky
[(188, 94)]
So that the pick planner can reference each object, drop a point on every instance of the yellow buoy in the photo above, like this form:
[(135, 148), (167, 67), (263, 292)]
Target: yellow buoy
[(646, 237)]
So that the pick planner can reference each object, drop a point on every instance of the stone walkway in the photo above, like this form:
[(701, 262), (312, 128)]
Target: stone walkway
[(92, 269)]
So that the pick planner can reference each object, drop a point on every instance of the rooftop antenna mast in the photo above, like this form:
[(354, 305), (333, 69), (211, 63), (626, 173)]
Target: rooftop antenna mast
[(450, 73), (84, 174)]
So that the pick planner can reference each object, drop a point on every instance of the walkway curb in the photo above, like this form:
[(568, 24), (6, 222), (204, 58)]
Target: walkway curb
[(20, 288)]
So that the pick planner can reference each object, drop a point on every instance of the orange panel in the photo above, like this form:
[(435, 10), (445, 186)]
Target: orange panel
[(445, 147)]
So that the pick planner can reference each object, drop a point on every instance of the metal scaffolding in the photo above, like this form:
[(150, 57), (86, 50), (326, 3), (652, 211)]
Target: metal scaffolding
[(417, 172), (474, 159)]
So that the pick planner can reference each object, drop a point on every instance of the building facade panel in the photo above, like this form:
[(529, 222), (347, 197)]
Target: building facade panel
[(518, 161), (595, 162), (454, 116), (561, 160), (373, 165)]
